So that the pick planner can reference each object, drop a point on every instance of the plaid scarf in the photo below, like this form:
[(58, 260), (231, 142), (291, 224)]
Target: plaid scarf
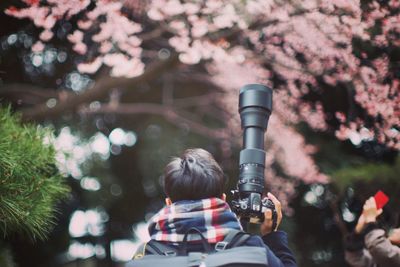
[(211, 216)]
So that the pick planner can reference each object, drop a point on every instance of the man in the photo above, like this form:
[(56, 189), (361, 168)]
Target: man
[(194, 186), (368, 246)]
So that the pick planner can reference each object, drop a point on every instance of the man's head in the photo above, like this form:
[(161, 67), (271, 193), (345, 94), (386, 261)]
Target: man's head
[(195, 175)]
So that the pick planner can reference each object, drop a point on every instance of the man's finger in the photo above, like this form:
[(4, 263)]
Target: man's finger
[(276, 202), (372, 202), (268, 214)]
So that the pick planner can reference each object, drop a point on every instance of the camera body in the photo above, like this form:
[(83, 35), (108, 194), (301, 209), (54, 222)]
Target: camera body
[(251, 209), (255, 105)]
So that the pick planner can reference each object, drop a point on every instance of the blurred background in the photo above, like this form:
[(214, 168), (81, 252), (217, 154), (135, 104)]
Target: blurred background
[(125, 85)]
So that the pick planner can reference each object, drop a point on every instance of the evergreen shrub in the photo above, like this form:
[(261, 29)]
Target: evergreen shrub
[(30, 185)]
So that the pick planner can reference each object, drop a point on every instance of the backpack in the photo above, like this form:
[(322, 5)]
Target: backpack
[(228, 252)]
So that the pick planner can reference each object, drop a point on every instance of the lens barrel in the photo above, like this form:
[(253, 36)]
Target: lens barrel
[(255, 105)]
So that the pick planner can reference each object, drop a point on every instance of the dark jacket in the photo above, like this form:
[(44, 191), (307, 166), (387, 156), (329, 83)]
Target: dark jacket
[(276, 244)]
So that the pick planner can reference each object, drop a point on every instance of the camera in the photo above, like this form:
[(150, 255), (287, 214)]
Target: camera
[(255, 106)]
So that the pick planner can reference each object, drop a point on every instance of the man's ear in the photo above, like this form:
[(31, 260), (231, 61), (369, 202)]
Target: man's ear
[(168, 201), (223, 197)]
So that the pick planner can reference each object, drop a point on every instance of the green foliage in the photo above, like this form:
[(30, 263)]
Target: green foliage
[(365, 180), (30, 185), (382, 172)]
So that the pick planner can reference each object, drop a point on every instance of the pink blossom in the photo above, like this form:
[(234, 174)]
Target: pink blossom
[(213, 7), (84, 24), (38, 47), (199, 29), (114, 59), (155, 14), (191, 56), (257, 7), (340, 116), (177, 25), (226, 18), (173, 7), (67, 7), (75, 37), (121, 65), (90, 67), (133, 51), (134, 41), (105, 47), (46, 35), (49, 22), (179, 43), (80, 48), (191, 8)]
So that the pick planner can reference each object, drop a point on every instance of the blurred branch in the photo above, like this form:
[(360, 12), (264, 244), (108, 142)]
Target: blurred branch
[(27, 94), (100, 90), (168, 112), (196, 100), (337, 217), (152, 34)]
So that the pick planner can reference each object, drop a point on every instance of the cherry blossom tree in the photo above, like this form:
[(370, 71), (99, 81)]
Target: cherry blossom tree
[(310, 52)]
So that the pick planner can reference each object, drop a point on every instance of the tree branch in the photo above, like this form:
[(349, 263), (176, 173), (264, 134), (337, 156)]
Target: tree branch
[(100, 90), (195, 100), (168, 112), (27, 94), (333, 204)]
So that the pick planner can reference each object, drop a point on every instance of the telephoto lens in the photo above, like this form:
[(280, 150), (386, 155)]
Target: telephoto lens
[(255, 105)]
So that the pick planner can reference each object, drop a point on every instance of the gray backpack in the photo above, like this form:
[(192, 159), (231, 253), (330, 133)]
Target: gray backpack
[(227, 253)]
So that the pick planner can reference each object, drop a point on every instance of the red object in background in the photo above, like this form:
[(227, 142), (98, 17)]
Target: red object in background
[(381, 199)]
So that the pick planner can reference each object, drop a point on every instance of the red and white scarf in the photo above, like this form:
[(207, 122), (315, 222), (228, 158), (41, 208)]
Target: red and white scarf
[(211, 216)]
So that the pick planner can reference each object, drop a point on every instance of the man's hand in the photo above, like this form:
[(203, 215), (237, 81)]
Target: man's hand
[(394, 236), (369, 215), (370, 211), (266, 226)]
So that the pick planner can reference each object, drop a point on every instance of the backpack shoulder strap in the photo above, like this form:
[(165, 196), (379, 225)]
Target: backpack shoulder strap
[(234, 238), (239, 240), (232, 235)]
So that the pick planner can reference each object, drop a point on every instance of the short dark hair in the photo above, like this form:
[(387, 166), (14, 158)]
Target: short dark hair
[(195, 175)]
